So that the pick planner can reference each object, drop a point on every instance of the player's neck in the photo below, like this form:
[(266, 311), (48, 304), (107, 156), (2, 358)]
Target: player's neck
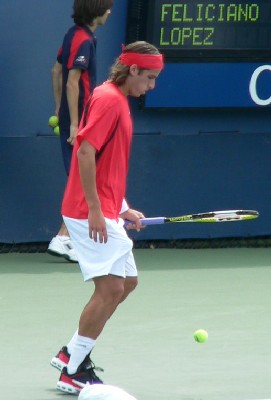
[(124, 90), (92, 27)]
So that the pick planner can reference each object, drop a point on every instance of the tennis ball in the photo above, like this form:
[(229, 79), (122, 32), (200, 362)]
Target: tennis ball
[(56, 130), (53, 121), (200, 336)]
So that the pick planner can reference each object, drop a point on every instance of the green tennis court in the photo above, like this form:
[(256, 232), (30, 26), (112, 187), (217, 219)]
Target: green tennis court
[(147, 348)]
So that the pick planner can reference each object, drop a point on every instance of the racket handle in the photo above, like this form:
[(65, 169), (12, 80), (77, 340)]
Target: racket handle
[(149, 221)]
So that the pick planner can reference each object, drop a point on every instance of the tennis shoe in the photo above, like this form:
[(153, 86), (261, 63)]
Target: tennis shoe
[(73, 383), (61, 246), (62, 359)]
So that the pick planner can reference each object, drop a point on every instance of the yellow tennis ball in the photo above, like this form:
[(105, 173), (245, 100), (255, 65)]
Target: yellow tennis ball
[(53, 121), (200, 335), (56, 130)]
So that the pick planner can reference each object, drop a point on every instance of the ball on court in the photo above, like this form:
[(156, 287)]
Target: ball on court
[(53, 121), (56, 130), (200, 335)]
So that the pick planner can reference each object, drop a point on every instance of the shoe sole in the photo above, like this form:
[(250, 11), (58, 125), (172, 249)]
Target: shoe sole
[(54, 253), (65, 387), (58, 364)]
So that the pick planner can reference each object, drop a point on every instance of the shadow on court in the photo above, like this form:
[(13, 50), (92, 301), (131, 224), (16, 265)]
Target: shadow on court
[(147, 348)]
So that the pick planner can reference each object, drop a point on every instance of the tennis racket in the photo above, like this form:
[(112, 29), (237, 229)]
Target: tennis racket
[(213, 216)]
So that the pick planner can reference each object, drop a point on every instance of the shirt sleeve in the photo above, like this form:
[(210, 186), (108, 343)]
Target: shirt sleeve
[(102, 119), (124, 206), (80, 56)]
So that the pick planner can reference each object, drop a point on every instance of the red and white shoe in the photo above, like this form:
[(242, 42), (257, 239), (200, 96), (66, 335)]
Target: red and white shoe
[(73, 383), (61, 359)]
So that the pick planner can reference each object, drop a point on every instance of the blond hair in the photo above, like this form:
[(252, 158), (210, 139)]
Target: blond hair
[(119, 72)]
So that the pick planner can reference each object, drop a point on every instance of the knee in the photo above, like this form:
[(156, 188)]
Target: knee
[(115, 292), (130, 284)]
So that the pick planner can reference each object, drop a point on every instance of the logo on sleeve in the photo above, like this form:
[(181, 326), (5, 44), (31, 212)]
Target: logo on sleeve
[(81, 60)]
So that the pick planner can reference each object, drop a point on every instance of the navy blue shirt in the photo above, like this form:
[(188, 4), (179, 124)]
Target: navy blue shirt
[(78, 51)]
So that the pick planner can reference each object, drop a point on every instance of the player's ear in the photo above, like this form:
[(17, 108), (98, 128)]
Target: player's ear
[(133, 70)]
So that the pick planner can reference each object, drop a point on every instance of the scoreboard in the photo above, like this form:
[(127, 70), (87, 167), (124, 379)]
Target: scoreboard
[(233, 29), (208, 29), (202, 40)]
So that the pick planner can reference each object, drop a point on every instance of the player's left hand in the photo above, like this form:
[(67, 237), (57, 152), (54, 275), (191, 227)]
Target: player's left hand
[(133, 216)]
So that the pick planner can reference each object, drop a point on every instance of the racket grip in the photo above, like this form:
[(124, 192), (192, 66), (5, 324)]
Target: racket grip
[(149, 221)]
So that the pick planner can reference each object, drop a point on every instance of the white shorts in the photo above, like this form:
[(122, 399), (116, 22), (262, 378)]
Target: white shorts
[(98, 259)]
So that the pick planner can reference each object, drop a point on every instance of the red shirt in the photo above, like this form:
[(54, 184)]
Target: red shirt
[(108, 123)]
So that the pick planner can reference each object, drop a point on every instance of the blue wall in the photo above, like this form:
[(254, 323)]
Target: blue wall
[(183, 161), (31, 32)]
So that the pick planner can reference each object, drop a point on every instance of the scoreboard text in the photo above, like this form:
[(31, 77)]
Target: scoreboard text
[(210, 25)]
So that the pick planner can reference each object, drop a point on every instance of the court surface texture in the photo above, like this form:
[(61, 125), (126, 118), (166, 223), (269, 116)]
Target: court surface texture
[(147, 347)]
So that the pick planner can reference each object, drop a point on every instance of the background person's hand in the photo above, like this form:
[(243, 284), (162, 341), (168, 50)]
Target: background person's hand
[(73, 134)]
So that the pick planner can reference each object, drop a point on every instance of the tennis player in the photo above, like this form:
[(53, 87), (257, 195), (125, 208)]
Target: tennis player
[(94, 205)]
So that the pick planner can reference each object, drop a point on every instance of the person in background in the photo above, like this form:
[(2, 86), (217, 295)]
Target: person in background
[(74, 78), (94, 206)]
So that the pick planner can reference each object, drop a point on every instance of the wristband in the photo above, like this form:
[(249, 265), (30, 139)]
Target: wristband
[(124, 206)]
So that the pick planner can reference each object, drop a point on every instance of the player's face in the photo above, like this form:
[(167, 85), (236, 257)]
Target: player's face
[(142, 81)]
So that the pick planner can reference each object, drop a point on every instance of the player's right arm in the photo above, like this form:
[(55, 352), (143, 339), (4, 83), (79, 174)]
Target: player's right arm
[(72, 90), (56, 74), (87, 169)]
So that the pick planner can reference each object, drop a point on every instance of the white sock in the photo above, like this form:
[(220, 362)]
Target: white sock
[(61, 237), (71, 342), (82, 346)]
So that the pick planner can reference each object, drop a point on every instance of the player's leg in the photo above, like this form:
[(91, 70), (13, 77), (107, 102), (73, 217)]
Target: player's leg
[(107, 295), (62, 358), (131, 280), (109, 261), (105, 299), (129, 286), (61, 245)]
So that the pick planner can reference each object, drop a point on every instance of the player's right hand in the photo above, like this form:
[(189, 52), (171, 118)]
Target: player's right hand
[(97, 227)]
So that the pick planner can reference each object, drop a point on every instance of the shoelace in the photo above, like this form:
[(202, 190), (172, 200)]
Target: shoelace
[(89, 371), (91, 368)]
